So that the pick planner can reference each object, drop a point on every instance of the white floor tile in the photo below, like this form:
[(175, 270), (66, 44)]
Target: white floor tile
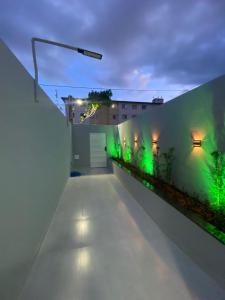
[(101, 245)]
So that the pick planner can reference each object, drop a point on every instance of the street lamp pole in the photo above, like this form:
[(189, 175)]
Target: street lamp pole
[(79, 50)]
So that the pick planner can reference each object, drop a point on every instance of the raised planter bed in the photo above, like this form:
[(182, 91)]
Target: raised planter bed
[(197, 243)]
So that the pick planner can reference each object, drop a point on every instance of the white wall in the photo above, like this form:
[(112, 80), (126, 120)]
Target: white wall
[(35, 160), (81, 142), (200, 112)]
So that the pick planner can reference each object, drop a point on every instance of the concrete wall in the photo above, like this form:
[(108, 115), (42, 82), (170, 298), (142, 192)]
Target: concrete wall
[(198, 113), (81, 142), (35, 160)]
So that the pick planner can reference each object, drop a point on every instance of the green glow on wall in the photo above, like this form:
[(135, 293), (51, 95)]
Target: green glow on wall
[(193, 167), (113, 144), (127, 152), (148, 185), (201, 163), (218, 179), (216, 232), (118, 149), (111, 150), (145, 161)]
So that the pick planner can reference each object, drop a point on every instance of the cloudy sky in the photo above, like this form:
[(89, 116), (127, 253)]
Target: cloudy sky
[(146, 44)]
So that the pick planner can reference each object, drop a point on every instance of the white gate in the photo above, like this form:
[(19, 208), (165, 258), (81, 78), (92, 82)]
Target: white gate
[(98, 157)]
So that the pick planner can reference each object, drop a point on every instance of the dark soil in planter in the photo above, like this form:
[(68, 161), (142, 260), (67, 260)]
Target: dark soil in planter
[(201, 213)]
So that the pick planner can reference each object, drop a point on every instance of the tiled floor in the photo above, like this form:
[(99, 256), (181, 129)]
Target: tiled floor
[(102, 246)]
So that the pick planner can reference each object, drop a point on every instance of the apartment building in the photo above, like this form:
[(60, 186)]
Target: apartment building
[(117, 112)]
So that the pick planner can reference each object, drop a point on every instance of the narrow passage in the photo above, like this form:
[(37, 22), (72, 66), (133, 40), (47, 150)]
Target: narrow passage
[(101, 245)]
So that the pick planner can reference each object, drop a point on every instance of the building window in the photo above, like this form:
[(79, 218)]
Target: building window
[(123, 106), (134, 106), (114, 117), (133, 116), (143, 106), (124, 116)]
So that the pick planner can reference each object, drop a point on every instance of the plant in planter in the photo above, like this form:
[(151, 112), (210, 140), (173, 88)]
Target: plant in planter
[(163, 164), (156, 161), (118, 149), (191, 205), (117, 144), (127, 153), (168, 164), (218, 176), (138, 157)]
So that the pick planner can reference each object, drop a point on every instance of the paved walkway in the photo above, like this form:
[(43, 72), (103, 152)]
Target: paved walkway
[(102, 246)]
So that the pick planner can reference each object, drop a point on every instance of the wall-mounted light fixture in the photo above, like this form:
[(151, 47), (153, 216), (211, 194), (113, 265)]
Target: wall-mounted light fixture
[(135, 140), (155, 142), (124, 141), (196, 143)]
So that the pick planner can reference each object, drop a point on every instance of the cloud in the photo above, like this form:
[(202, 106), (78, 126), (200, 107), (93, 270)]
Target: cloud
[(179, 41)]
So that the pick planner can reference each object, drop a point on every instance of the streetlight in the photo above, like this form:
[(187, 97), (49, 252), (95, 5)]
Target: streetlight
[(79, 50)]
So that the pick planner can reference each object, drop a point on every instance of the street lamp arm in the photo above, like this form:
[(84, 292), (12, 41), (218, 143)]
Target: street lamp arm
[(79, 50), (34, 39)]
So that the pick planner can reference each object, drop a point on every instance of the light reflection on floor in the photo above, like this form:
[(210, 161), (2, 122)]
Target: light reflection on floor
[(104, 247), (83, 259), (82, 227)]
